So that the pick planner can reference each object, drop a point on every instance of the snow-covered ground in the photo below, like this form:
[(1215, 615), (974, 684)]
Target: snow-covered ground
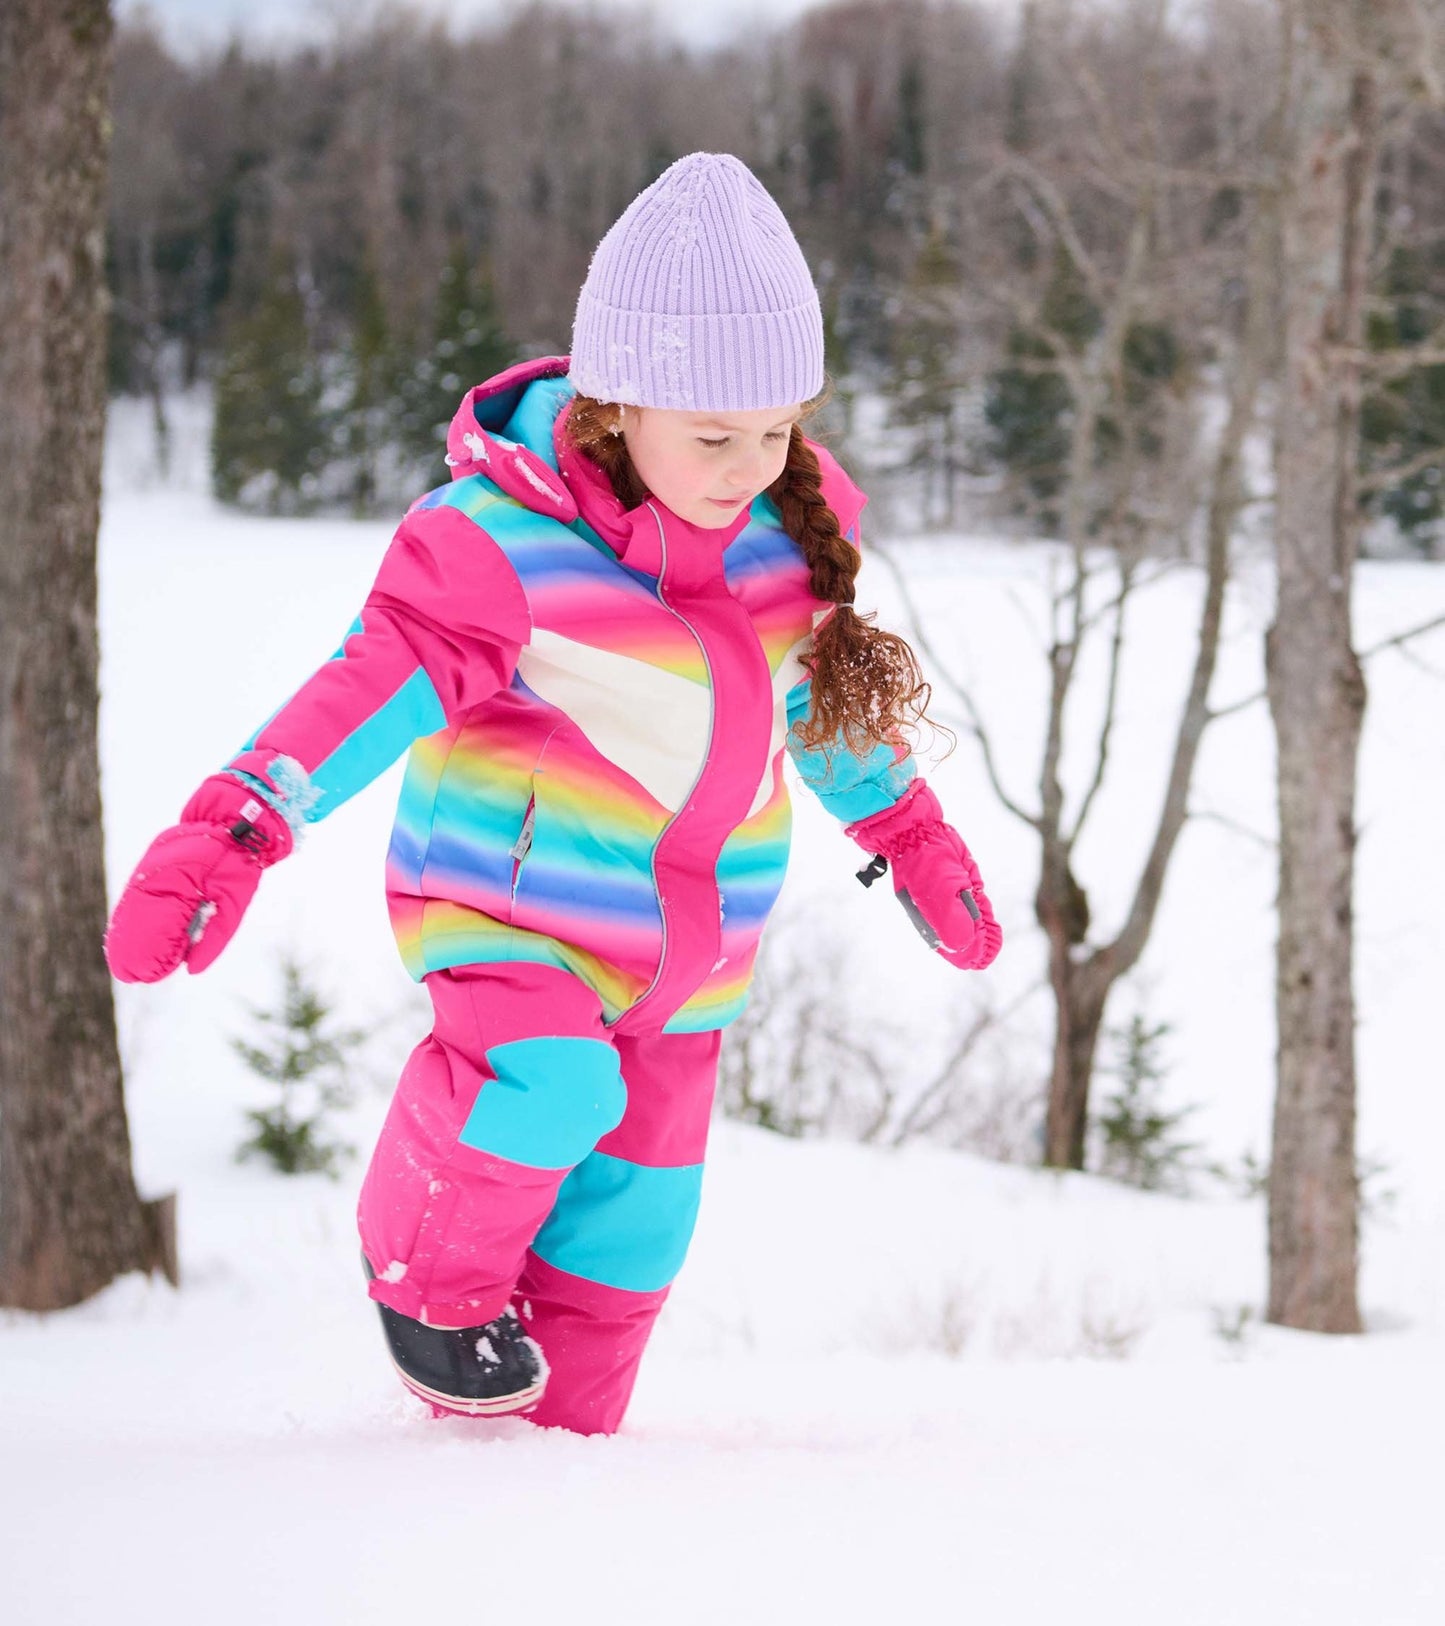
[(910, 1381)]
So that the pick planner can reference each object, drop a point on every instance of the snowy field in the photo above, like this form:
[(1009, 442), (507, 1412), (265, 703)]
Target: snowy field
[(889, 1385)]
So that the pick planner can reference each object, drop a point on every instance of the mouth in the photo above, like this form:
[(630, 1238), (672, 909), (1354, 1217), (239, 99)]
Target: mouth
[(727, 502)]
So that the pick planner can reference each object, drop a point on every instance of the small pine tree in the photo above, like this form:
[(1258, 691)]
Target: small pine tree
[(1025, 93), (927, 377), (310, 1069), (1026, 410), (369, 367), (469, 345), (908, 147), (269, 438), (822, 141), (1405, 419), (1136, 1137)]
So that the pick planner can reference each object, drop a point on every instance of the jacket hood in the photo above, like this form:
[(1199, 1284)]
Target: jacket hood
[(504, 429)]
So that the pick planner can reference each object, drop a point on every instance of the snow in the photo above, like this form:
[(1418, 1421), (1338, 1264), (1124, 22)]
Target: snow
[(529, 474), (915, 1381), (669, 352)]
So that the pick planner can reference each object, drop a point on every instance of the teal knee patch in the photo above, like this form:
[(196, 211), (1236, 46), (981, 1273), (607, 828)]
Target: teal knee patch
[(622, 1224), (549, 1103)]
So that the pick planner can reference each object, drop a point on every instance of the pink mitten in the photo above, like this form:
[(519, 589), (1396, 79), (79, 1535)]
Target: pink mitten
[(934, 875), (191, 888)]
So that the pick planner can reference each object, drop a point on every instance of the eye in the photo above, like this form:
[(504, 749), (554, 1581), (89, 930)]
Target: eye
[(772, 436)]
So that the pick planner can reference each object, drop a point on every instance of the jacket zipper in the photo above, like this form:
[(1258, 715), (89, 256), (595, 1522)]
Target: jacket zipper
[(697, 778), (523, 844)]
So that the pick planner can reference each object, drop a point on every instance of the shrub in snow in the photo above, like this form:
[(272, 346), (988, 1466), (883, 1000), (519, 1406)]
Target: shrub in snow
[(1108, 1332), (946, 1323), (807, 1058), (1376, 1199), (799, 1061), (310, 1068), (1233, 1324), (1137, 1140)]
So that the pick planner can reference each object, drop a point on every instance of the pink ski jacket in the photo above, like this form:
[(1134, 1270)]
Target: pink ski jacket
[(596, 702)]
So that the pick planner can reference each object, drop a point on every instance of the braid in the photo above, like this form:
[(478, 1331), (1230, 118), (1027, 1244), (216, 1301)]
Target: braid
[(867, 689), (810, 522)]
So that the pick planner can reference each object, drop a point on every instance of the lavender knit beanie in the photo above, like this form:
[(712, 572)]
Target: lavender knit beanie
[(699, 298)]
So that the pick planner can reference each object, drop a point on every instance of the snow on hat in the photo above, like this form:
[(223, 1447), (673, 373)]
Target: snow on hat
[(699, 298)]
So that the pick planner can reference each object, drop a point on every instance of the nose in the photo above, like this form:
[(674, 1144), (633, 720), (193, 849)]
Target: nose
[(748, 472)]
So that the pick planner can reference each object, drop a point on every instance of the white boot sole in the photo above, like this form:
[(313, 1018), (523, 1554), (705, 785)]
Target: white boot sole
[(522, 1400)]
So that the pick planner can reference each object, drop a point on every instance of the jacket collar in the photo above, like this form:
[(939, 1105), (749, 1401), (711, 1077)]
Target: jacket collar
[(646, 536), (545, 473)]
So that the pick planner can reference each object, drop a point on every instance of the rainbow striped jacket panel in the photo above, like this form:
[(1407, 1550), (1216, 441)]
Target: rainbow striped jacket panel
[(596, 701)]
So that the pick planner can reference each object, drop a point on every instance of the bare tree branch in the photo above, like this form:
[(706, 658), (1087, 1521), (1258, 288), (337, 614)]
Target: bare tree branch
[(1402, 638), (1105, 361), (959, 689), (911, 1120), (1226, 494), (1384, 479), (1398, 641), (1385, 366), (1218, 713), (1141, 581), (1421, 664), (1056, 207), (1111, 703), (985, 1020), (1207, 816)]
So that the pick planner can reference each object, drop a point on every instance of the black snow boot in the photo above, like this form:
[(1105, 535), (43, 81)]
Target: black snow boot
[(484, 1371)]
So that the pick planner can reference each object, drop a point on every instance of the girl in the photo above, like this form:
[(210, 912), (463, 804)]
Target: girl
[(596, 642)]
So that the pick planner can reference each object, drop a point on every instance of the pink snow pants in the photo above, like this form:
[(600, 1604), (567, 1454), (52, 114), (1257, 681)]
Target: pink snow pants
[(533, 1156)]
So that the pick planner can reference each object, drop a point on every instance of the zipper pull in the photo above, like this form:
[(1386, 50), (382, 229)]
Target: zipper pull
[(523, 844)]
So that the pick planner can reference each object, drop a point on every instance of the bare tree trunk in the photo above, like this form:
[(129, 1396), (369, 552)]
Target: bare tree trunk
[(1081, 991), (1316, 686), (70, 1217), (1082, 980)]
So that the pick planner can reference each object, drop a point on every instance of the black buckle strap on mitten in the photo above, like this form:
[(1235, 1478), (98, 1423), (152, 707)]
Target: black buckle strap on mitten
[(250, 836), (876, 866), (245, 832)]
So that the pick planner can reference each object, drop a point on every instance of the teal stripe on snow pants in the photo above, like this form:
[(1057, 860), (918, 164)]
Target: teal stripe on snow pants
[(534, 1156)]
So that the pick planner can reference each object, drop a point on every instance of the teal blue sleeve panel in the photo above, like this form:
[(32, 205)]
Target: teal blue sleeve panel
[(353, 719), (439, 633), (622, 1224), (548, 1103), (851, 787)]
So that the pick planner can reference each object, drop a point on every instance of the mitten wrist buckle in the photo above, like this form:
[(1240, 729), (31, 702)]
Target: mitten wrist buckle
[(873, 869), (245, 832)]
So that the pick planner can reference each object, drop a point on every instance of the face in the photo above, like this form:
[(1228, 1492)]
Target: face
[(708, 466)]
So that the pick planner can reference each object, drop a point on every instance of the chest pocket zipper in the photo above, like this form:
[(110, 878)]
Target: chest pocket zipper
[(523, 844)]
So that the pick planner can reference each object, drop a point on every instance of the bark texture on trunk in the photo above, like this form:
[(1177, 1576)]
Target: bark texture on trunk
[(1081, 991), (70, 1217), (1316, 687)]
